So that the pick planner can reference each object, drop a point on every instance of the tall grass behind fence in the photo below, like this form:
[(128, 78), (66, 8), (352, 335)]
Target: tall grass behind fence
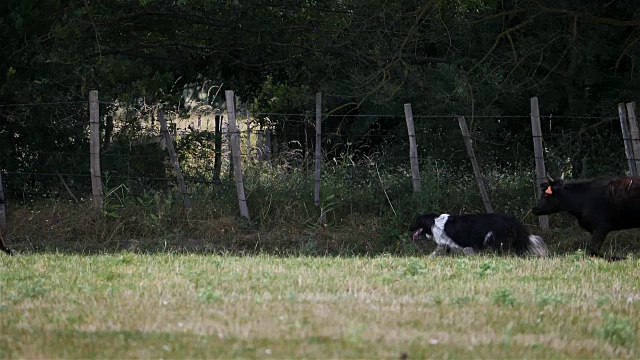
[(365, 184), (355, 163)]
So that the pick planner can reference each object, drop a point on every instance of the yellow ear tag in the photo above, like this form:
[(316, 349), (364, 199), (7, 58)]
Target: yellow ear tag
[(548, 191)]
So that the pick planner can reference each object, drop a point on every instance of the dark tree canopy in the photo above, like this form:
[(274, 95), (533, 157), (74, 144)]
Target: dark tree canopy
[(445, 57)]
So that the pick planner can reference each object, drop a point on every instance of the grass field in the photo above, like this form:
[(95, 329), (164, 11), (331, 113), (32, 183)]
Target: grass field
[(181, 306)]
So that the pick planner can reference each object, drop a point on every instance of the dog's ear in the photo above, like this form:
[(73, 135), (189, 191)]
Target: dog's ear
[(416, 223), (422, 225), (426, 221), (414, 226)]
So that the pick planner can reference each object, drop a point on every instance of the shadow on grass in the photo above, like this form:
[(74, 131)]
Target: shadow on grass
[(80, 230), (241, 239)]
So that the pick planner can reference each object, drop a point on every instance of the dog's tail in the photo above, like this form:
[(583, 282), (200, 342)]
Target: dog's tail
[(536, 246)]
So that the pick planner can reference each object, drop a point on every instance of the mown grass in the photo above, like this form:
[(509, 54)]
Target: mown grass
[(131, 305)]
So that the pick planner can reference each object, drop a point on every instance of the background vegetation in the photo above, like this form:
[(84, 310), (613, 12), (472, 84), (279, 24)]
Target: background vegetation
[(340, 291), (482, 59)]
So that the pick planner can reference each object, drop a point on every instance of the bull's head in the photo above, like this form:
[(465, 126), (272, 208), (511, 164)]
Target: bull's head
[(549, 202)]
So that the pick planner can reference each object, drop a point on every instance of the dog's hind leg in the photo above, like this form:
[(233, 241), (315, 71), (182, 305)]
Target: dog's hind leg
[(468, 251), (440, 249)]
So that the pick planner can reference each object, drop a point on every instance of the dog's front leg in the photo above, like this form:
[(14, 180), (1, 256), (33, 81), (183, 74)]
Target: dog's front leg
[(440, 249)]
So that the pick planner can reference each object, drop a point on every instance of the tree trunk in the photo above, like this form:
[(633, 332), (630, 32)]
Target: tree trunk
[(577, 154), (108, 132)]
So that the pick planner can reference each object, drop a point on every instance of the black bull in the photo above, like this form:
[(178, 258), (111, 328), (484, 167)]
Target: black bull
[(601, 205)]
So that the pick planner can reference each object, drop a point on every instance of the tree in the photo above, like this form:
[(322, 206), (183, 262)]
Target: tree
[(455, 57)]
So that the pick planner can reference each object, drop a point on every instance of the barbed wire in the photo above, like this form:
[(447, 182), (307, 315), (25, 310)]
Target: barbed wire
[(128, 150), (504, 146), (311, 114), (47, 103), (107, 176)]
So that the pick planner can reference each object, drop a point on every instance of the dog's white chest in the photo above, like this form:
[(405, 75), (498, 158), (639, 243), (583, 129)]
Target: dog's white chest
[(439, 235)]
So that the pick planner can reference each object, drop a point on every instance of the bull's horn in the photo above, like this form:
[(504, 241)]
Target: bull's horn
[(549, 178), (562, 176)]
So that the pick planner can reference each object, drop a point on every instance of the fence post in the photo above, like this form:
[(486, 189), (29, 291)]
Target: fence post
[(466, 137), (235, 153), (626, 139), (248, 134), (541, 173), (318, 150), (413, 149), (3, 209), (229, 146), (94, 150), (217, 142), (635, 133), (174, 160), (267, 144)]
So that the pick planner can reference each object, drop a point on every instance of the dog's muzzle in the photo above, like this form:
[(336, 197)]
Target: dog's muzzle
[(416, 234)]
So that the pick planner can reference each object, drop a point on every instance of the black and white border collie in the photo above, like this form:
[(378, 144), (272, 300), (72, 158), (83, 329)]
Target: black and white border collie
[(473, 233)]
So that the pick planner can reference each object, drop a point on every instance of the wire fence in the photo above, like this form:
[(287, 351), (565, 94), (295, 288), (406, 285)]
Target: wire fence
[(359, 149)]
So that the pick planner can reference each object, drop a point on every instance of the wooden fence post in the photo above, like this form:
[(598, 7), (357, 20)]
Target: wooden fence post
[(174, 159), (230, 149), (413, 149), (3, 209), (318, 150), (635, 133), (248, 134), (235, 152), (466, 137), (94, 150), (626, 139), (217, 142), (541, 173)]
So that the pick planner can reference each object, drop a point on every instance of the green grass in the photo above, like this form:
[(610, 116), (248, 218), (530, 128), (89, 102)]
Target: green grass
[(184, 306)]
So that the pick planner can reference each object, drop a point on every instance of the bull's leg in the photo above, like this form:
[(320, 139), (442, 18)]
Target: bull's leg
[(3, 247), (597, 238)]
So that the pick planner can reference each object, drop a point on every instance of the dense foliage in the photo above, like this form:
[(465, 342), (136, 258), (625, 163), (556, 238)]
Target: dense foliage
[(472, 57)]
